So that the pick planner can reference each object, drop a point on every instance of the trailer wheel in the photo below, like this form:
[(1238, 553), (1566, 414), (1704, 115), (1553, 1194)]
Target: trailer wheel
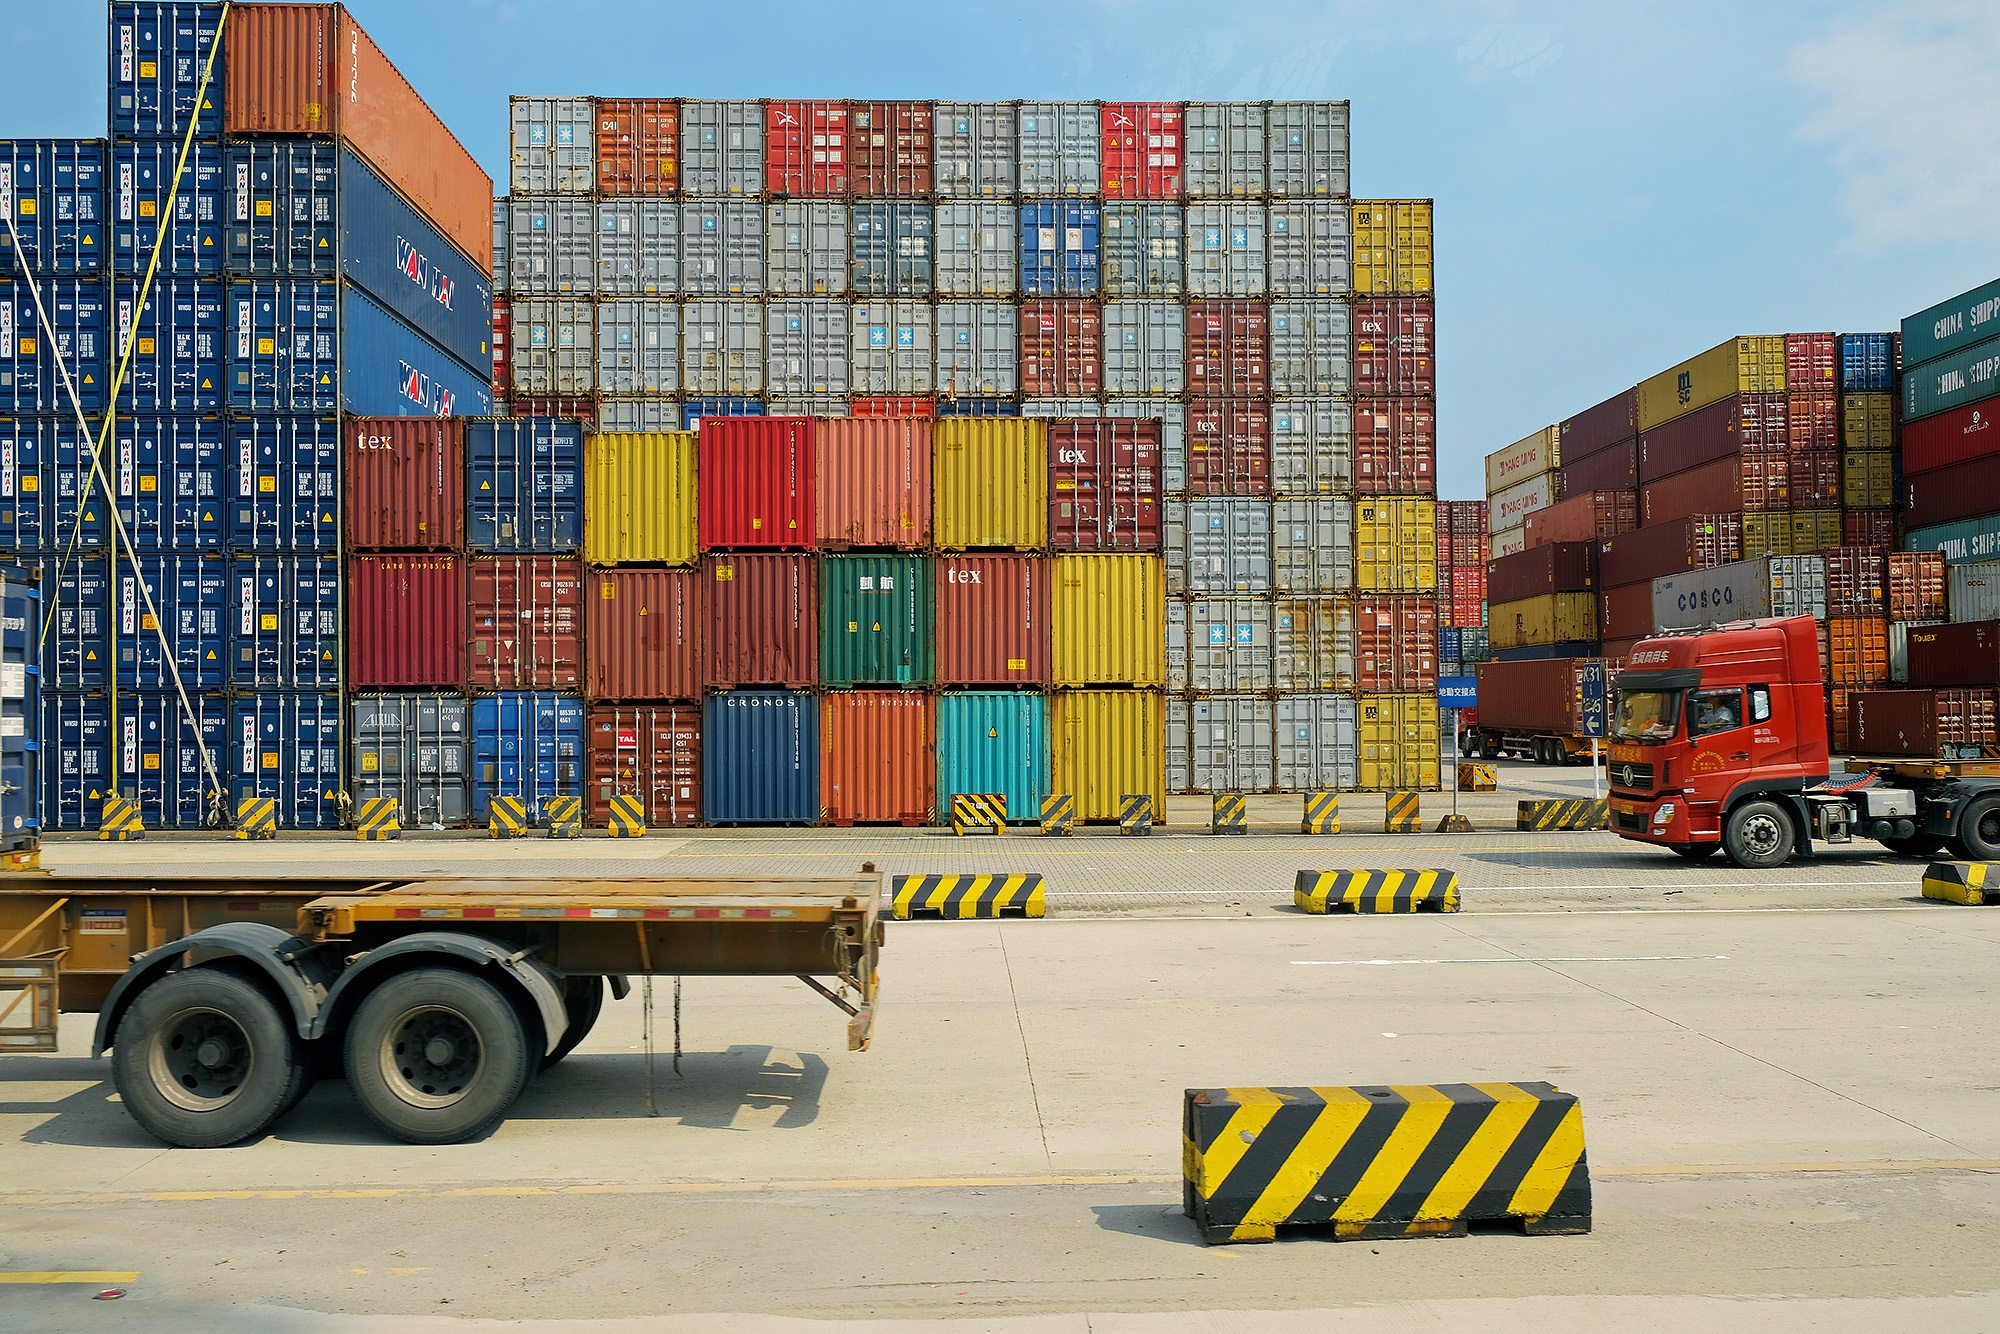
[(583, 999), (436, 1056), (1979, 830), (204, 1058), (1758, 835)]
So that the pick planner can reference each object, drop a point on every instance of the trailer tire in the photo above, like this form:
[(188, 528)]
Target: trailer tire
[(205, 1058), (1979, 830), (1758, 835), (437, 1056), (583, 1000)]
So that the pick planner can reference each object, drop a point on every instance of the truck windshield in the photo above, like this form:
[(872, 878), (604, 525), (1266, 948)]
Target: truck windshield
[(1646, 715)]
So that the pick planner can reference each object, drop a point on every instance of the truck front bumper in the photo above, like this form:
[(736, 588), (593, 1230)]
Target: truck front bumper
[(1667, 819)]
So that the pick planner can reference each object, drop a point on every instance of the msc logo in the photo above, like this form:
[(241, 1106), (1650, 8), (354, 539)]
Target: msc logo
[(1684, 388), (426, 393), (420, 271)]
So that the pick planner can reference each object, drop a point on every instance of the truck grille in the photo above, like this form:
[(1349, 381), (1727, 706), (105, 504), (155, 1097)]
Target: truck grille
[(1632, 777), (1634, 823)]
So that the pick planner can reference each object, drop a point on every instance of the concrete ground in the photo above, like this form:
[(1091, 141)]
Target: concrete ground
[(1788, 1082)]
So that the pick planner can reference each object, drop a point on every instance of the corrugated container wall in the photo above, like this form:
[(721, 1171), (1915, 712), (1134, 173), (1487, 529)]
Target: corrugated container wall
[(889, 148), (1307, 150), (638, 145), (722, 148), (405, 622), (524, 477), (805, 148), (762, 620), (993, 741), (1142, 254), (1109, 743), (1225, 150), (530, 746), (761, 753), (1105, 485), (992, 620), (639, 498), (991, 482), (158, 56), (873, 483), (1109, 621), (287, 747), (642, 634), (756, 486), (1058, 146), (524, 622), (975, 150), (876, 617), (405, 481), (877, 762), (284, 614), (416, 748), (649, 751), (60, 215)]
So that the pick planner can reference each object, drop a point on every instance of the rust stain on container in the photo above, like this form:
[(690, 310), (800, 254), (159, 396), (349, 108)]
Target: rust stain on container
[(649, 751), (761, 624), (756, 482), (877, 762), (406, 622), (992, 620), (524, 623), (642, 634), (405, 483), (1228, 348), (1061, 348), (638, 145), (872, 483), (1105, 477)]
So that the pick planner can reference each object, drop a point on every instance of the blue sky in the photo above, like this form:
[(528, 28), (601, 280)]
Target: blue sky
[(1618, 186)]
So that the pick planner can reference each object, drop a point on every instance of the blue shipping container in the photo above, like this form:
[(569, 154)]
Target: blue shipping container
[(159, 51), (55, 190), (142, 176), (527, 745), (285, 622), (978, 407), (44, 468), (287, 746), (1963, 541), (175, 345), (76, 336), (1449, 642), (389, 369), (524, 484), (993, 741), (76, 603), (158, 752), (20, 706), (1867, 363), (169, 474), (76, 759), (697, 408), (284, 346), (281, 209), (190, 597), (892, 249), (1059, 249), (284, 490), (760, 758)]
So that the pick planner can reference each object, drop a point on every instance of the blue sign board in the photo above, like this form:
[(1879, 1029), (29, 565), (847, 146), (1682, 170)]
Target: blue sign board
[(1592, 689), (1458, 692)]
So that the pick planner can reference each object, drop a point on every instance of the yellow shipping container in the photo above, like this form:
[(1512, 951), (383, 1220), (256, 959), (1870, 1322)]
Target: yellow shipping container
[(1867, 479), (1110, 621), (1109, 743), (1867, 421), (1767, 534), (1396, 743), (1750, 365), (1551, 618), (990, 483), (1815, 530), (1392, 247), (1395, 545), (638, 498)]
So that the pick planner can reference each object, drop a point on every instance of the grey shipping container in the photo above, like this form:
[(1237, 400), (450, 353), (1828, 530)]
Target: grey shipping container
[(501, 207), (1145, 347), (1218, 546), (892, 250), (638, 247), (806, 347), (1740, 591), (1312, 546), (817, 406), (722, 148), (1058, 407), (1312, 349), (1225, 250), (1228, 645), (1177, 745), (555, 347), (638, 414), (1307, 150), (638, 346), (1059, 149), (805, 249), (1975, 591), (554, 141), (1312, 447), (1311, 248), (891, 345), (1312, 644), (1142, 250), (1229, 744), (1313, 743), (552, 246), (1224, 153), (416, 749), (977, 250), (1172, 416), (722, 347), (978, 348), (973, 149), (722, 248)]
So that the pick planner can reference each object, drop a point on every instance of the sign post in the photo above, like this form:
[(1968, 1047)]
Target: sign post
[(1593, 712), (1455, 693)]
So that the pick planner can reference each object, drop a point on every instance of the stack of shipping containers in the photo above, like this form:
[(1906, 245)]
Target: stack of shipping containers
[(1463, 543)]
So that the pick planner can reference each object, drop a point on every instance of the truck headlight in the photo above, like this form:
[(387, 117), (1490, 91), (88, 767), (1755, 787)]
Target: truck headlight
[(1664, 813)]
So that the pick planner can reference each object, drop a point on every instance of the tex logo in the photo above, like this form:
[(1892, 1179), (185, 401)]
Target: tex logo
[(418, 270)]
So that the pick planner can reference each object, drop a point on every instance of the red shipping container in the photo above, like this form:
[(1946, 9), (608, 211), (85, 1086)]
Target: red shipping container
[(1696, 542), (562, 409), (1869, 528), (1141, 150), (877, 758), (756, 482), (1814, 480), (1105, 484), (1395, 644), (1956, 492), (917, 409), (1393, 347), (1592, 516), (649, 751), (1920, 722), (1966, 653), (1958, 436), (1857, 581), (805, 148), (1809, 363), (1228, 348), (638, 145), (760, 621), (1558, 567), (310, 69), (1616, 651), (406, 622), (992, 620), (1613, 469), (642, 634), (405, 483), (1601, 426), (1625, 612), (1468, 516), (1395, 447), (1061, 347), (1813, 421), (1745, 424), (889, 148), (1468, 596), (524, 623), (872, 483), (503, 367), (1443, 548), (1756, 482), (1228, 447), (1916, 583)]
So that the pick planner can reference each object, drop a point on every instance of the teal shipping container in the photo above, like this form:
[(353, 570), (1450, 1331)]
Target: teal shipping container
[(875, 621), (1964, 376), (1963, 541), (993, 741), (1937, 331)]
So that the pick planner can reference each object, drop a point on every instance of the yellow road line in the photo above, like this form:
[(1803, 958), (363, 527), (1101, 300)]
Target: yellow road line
[(71, 1276)]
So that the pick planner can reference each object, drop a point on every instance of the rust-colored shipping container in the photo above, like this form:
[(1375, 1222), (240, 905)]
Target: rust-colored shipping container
[(1856, 583), (1395, 643), (1963, 653), (503, 365), (310, 69), (889, 148), (1814, 482), (1921, 723), (1228, 447), (1554, 567), (524, 623), (1105, 477), (406, 622), (872, 483), (638, 145), (877, 758), (405, 483), (1468, 595), (1868, 528), (642, 634), (1393, 347), (1141, 150), (1916, 585), (649, 751), (1228, 348), (1812, 421), (1536, 695), (1395, 447), (1836, 719), (1625, 612), (1062, 345), (1696, 542), (1959, 436), (918, 409), (1601, 426), (805, 149), (1743, 424), (1755, 482), (1959, 491), (1858, 651), (992, 620), (1613, 469), (761, 620), (1592, 516), (1615, 652), (562, 409), (1809, 363), (756, 483)]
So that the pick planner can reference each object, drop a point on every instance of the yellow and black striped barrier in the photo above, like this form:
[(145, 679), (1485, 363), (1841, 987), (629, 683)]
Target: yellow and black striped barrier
[(1058, 813), (976, 811), (1972, 883), (120, 822), (1382, 1161), (377, 822), (628, 817), (1575, 813), (507, 817), (963, 897), (1477, 778), (1400, 814), (1322, 813), (257, 817), (1376, 891), (565, 816), (1228, 813), (1135, 813)]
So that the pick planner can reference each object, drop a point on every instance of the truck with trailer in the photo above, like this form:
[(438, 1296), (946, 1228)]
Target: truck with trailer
[(1545, 710)]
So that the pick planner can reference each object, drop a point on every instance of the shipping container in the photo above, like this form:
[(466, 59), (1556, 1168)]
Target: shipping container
[(1867, 421), (524, 623), (889, 148), (1742, 591), (1109, 743), (1554, 567), (55, 190), (552, 246), (1858, 652), (405, 621), (1513, 505), (73, 747), (502, 208), (891, 347), (1866, 480), (806, 248), (805, 149), (417, 749), (1228, 448), (168, 761), (991, 483), (1613, 469), (1809, 363), (1312, 351), (978, 348), (1589, 516), (287, 747), (1392, 351), (638, 347), (1396, 740), (160, 55), (1312, 546), (641, 415), (1059, 249), (1392, 247), (1395, 447), (1959, 436), (284, 615), (975, 150), (993, 741), (1754, 482), (1226, 149), (1507, 541), (993, 620), (1144, 347), (1552, 618), (878, 761), (1745, 365), (1544, 694), (1307, 150), (581, 410), (762, 620), (874, 483), (761, 758), (555, 348), (1899, 646), (188, 622), (1624, 613), (1219, 645), (891, 253), (285, 491), (1961, 653), (1600, 426), (1061, 348), (1109, 621), (1815, 530), (169, 474), (1522, 460), (757, 482), (648, 751), (76, 639), (1312, 447), (1916, 586), (1739, 424), (722, 345), (638, 145), (1140, 149), (1310, 248), (527, 745), (1812, 421), (1313, 743), (1868, 528), (1226, 250), (1975, 590), (638, 248), (1312, 644), (524, 484), (172, 347), (722, 247), (142, 181), (1395, 644), (1867, 363), (1215, 546), (1141, 252), (1645, 554), (977, 250), (1229, 744), (642, 634), (553, 141), (1105, 485), (722, 148), (1058, 148), (1951, 325), (386, 368), (1967, 540), (43, 472), (807, 346), (876, 620), (76, 335), (1228, 347), (1940, 724)]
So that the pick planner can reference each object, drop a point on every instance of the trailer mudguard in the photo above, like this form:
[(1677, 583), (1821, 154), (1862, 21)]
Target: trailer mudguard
[(297, 966), (540, 984)]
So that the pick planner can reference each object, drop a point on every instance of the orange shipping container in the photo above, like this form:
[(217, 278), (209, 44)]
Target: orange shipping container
[(525, 620), (1813, 421), (405, 483), (1395, 644), (649, 751), (1858, 651), (874, 483), (1916, 586), (1061, 345), (992, 620), (642, 634), (877, 761), (310, 69), (638, 145)]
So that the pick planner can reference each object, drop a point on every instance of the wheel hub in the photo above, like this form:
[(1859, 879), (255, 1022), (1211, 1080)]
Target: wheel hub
[(199, 1059), (430, 1056), (212, 1052), (1760, 834), (439, 1051)]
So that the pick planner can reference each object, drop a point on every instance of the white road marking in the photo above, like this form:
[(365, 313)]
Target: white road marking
[(1612, 958)]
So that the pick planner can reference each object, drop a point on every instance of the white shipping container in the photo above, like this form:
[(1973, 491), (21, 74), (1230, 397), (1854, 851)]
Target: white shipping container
[(978, 348), (1218, 546), (1975, 591), (1145, 347), (1058, 407), (1228, 645), (722, 348), (554, 143), (1312, 447), (978, 253), (1511, 507), (722, 248), (805, 249), (1313, 743), (1899, 647), (1140, 250), (1507, 541), (1312, 546), (1740, 591), (1229, 744), (1307, 150), (555, 348), (501, 273), (1059, 149), (1225, 152), (638, 247), (1312, 644), (1523, 459), (1225, 250), (1312, 349), (807, 347), (722, 149), (1172, 416), (638, 346), (973, 150), (551, 244), (891, 347), (638, 414), (1311, 248), (806, 407)]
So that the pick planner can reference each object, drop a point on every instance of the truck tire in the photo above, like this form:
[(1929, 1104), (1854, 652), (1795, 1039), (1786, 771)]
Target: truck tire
[(205, 1058), (1758, 835), (436, 1056), (1979, 830), (1698, 852), (583, 999), (1923, 845)]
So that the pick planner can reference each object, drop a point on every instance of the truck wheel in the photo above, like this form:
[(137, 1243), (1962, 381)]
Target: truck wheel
[(1923, 845), (1979, 830), (204, 1058), (1758, 835), (583, 998), (436, 1056), (1698, 852)]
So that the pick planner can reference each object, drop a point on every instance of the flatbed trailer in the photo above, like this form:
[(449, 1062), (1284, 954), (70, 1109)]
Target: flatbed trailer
[(440, 997)]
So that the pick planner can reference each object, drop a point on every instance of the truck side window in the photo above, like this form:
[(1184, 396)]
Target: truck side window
[(1714, 711), (1760, 704)]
